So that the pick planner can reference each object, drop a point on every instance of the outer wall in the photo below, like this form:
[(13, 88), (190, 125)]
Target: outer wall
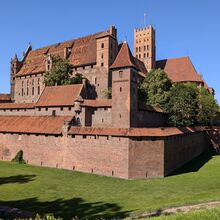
[(181, 149), (146, 158), (100, 155)]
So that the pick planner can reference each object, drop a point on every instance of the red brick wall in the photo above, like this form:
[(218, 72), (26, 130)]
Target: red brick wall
[(146, 158), (180, 149), (100, 156), (105, 155)]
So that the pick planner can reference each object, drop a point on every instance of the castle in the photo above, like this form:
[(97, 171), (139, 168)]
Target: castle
[(75, 127)]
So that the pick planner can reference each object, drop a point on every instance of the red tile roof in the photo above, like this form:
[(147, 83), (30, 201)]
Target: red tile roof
[(17, 105), (33, 124), (5, 98), (179, 69), (126, 59), (133, 132), (97, 103), (82, 52), (59, 95)]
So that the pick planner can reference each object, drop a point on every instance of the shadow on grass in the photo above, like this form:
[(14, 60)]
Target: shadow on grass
[(195, 164), (21, 179), (67, 209)]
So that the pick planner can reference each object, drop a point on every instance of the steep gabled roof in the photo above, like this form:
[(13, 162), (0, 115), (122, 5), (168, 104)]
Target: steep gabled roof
[(179, 69), (82, 52), (59, 95), (126, 59)]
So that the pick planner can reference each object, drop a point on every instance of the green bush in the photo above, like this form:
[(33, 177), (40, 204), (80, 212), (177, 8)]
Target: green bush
[(19, 158)]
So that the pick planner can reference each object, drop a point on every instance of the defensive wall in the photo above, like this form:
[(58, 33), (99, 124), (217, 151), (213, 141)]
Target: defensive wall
[(124, 153)]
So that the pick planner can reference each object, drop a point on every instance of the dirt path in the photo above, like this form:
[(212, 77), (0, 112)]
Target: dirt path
[(169, 211)]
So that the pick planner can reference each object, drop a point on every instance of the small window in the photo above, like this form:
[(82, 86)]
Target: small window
[(148, 47), (46, 109), (147, 54), (139, 56), (136, 49), (69, 108), (84, 136), (120, 89), (61, 108), (102, 46), (102, 55), (120, 74), (119, 115), (144, 55), (102, 64), (144, 48), (39, 109), (139, 49)]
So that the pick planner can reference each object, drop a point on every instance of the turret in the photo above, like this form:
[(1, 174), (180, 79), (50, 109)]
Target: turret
[(15, 67)]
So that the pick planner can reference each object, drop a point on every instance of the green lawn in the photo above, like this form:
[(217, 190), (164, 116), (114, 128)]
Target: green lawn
[(208, 214), (68, 194)]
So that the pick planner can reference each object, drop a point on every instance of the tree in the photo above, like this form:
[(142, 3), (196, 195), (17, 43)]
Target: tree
[(59, 74), (155, 89), (207, 107), (182, 106)]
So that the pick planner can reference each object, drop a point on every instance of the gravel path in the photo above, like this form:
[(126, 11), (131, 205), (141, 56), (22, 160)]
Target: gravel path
[(174, 210)]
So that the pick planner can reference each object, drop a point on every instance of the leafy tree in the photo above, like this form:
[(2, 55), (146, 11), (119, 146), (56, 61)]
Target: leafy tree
[(182, 106), (207, 107), (155, 89), (59, 74)]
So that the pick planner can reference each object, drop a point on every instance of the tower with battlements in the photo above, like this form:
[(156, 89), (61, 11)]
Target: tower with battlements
[(144, 46)]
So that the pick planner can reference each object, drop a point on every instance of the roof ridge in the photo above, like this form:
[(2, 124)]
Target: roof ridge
[(68, 41)]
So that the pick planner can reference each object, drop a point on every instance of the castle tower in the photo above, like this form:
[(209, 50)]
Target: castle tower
[(124, 89), (144, 46), (107, 47), (15, 67)]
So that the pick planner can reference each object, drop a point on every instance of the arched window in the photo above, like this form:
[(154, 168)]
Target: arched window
[(102, 45)]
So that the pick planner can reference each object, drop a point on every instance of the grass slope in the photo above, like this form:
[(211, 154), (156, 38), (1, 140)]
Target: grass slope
[(68, 194)]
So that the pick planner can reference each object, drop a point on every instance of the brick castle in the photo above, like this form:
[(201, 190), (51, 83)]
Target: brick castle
[(75, 127)]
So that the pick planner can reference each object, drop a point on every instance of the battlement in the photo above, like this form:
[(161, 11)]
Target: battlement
[(143, 29)]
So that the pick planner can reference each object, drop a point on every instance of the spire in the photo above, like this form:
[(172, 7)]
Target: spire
[(124, 58), (15, 57)]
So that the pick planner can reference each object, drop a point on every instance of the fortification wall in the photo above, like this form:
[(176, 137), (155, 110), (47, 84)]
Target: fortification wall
[(93, 154), (146, 158), (124, 157), (181, 149)]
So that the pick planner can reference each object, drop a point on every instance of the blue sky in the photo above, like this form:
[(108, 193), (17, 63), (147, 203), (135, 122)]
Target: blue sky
[(183, 27)]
